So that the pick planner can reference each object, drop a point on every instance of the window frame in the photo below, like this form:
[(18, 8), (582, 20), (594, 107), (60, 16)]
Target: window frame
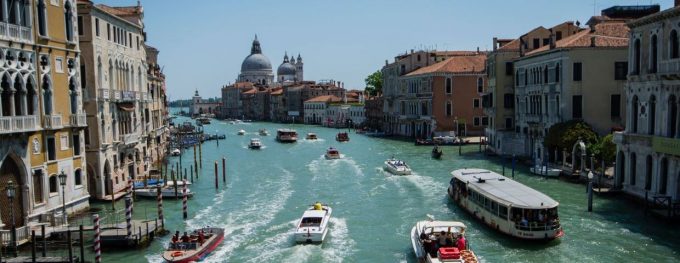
[(577, 71)]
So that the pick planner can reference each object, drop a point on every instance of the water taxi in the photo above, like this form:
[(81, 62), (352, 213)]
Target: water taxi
[(255, 143), (397, 167), (286, 135), (311, 136), (195, 247), (313, 225), (545, 171), (263, 132), (441, 241), (241, 132), (437, 153), (505, 204), (332, 153), (342, 137)]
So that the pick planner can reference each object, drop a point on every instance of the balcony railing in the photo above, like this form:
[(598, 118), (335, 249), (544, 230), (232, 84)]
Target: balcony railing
[(16, 32), (78, 120), (52, 122), (16, 124), (104, 94), (670, 67), (131, 138)]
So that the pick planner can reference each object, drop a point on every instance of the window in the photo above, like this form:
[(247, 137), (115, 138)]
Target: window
[(508, 123), (558, 35), (480, 85), (76, 144), (137, 42), (576, 107), (485, 121), (448, 108), (648, 173), (615, 106), (546, 41), (634, 105), (51, 149), (545, 74), (108, 32), (78, 177), (96, 26), (636, 57), (620, 70), (129, 39), (63, 139), (53, 184), (476, 121), (557, 73), (633, 168), (80, 25), (578, 71), (675, 51), (418, 57), (672, 116), (448, 86), (475, 103), (38, 186), (508, 68), (652, 115), (508, 101), (653, 56), (537, 43), (42, 18)]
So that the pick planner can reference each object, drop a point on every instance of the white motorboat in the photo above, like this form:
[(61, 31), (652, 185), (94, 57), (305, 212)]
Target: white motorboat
[(332, 153), (175, 152), (426, 234), (255, 143), (241, 132), (313, 225), (397, 167), (545, 171), (264, 132), (166, 192), (311, 136)]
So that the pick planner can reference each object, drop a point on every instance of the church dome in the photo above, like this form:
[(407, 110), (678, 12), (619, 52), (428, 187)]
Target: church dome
[(286, 69), (256, 62)]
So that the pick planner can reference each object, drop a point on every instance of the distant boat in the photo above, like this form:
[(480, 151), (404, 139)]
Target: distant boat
[(286, 135), (342, 137), (332, 153), (166, 192), (397, 167), (241, 132), (264, 132), (545, 171), (437, 153), (311, 136), (255, 143), (176, 152), (313, 226)]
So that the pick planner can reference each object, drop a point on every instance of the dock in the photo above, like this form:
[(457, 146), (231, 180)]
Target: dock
[(24, 259)]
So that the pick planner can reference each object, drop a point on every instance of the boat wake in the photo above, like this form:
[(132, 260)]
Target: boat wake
[(312, 141), (323, 166)]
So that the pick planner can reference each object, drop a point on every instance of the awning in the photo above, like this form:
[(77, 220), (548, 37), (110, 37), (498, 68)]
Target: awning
[(126, 106)]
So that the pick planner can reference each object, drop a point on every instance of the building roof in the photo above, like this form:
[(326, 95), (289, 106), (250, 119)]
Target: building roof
[(512, 45), (277, 91), (665, 14), (324, 98), (604, 32), (456, 64)]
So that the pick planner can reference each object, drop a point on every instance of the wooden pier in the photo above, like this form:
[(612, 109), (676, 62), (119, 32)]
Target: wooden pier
[(115, 235), (24, 259)]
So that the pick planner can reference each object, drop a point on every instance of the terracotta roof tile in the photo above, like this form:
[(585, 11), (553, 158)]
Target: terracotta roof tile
[(324, 98), (456, 64), (512, 45), (606, 33), (121, 10)]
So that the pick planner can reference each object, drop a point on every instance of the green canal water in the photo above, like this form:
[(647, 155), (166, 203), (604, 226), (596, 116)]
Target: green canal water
[(373, 212)]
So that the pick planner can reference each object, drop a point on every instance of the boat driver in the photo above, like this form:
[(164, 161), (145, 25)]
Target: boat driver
[(317, 206)]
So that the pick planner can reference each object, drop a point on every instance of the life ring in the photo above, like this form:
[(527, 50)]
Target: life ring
[(177, 254)]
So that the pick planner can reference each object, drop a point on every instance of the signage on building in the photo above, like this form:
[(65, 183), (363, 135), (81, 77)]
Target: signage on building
[(666, 145), (293, 113)]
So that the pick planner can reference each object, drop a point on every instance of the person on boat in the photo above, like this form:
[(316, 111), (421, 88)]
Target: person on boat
[(441, 240), (317, 206), (428, 245), (185, 238), (201, 237), (461, 242), (524, 222), (175, 237)]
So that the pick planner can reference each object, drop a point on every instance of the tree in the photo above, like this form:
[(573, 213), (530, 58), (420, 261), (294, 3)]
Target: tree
[(605, 148), (563, 135), (374, 83)]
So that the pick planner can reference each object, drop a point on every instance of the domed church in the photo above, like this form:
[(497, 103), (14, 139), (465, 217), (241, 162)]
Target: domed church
[(257, 69)]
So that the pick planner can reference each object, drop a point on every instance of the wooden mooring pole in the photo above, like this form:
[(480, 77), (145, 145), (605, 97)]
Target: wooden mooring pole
[(216, 180), (224, 171), (200, 155)]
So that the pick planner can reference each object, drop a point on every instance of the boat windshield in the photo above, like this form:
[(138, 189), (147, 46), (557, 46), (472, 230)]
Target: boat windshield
[(310, 221), (535, 219)]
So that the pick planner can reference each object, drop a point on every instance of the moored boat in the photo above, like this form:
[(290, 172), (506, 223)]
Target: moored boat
[(332, 153), (194, 248), (397, 167), (505, 204), (545, 171), (311, 136), (286, 135), (441, 241), (342, 137), (313, 226), (255, 143), (437, 153), (166, 192), (175, 152)]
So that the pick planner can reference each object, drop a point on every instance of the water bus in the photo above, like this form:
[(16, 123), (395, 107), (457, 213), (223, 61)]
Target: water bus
[(286, 135)]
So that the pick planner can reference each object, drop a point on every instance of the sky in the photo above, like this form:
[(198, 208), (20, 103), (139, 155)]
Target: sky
[(202, 43)]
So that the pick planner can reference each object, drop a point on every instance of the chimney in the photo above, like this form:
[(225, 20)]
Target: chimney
[(495, 42), (477, 50), (552, 39), (592, 41)]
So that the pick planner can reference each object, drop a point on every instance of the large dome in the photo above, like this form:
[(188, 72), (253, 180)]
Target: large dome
[(286, 69), (256, 62)]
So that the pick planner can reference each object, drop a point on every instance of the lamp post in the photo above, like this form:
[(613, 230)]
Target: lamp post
[(62, 182), (590, 191), (11, 192)]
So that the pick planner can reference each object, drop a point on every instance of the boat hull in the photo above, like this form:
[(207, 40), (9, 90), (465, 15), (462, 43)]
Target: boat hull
[(549, 172), (397, 171), (332, 156), (314, 234), (255, 147), (165, 193), (186, 256)]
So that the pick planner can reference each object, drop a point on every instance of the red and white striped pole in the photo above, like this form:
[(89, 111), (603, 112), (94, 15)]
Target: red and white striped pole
[(184, 199), (97, 247), (128, 215), (130, 193)]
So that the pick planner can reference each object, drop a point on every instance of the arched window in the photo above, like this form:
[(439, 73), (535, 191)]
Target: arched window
[(78, 177), (663, 176), (633, 168), (53, 184), (68, 17), (648, 173), (652, 115), (19, 97), (672, 116), (47, 95), (73, 94), (100, 74), (42, 18), (557, 73), (111, 76), (673, 39), (636, 57), (448, 86), (517, 78), (653, 55), (634, 115), (526, 77), (31, 97), (545, 74)]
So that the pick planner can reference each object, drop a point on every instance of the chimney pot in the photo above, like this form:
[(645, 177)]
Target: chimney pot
[(495, 42)]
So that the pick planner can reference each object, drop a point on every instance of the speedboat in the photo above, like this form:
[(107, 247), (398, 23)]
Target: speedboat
[(175, 152), (313, 225), (425, 236), (241, 132), (332, 153), (264, 132), (545, 171), (397, 167), (311, 136), (255, 143), (166, 192), (342, 137), (202, 242), (437, 153)]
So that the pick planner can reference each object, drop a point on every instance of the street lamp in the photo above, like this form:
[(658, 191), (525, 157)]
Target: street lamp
[(62, 182), (11, 192)]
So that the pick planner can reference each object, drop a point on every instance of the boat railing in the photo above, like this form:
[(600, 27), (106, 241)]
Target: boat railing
[(538, 226), (184, 245)]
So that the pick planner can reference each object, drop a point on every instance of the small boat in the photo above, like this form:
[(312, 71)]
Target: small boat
[(311, 136), (202, 120), (175, 152), (232, 122), (241, 132), (426, 234), (332, 153), (196, 249), (506, 205), (397, 167), (545, 171), (437, 153), (286, 135), (264, 132), (342, 137), (313, 225), (166, 192), (255, 143)]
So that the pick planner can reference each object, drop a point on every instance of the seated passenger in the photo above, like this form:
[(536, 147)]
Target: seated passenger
[(201, 237), (461, 242), (175, 237), (524, 222), (185, 238), (441, 240)]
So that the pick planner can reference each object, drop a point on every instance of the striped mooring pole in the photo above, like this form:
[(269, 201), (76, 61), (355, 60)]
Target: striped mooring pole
[(97, 246), (184, 200), (128, 215), (131, 194), (159, 199)]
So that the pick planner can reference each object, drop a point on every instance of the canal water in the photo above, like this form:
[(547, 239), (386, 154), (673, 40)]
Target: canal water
[(373, 212)]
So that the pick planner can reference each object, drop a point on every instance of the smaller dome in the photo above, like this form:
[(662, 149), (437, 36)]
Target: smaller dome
[(286, 69)]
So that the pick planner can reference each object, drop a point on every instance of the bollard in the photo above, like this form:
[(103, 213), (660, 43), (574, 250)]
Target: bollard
[(128, 216), (224, 171), (70, 245), (113, 197), (131, 193), (97, 245), (590, 196), (503, 164), (216, 181), (200, 155), (184, 200), (174, 180), (44, 241), (460, 145), (218, 141), (185, 174)]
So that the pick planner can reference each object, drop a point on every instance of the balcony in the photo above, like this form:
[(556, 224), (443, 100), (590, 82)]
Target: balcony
[(128, 95), (130, 138), (17, 124), (16, 33), (669, 67), (78, 120), (52, 122), (104, 93)]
